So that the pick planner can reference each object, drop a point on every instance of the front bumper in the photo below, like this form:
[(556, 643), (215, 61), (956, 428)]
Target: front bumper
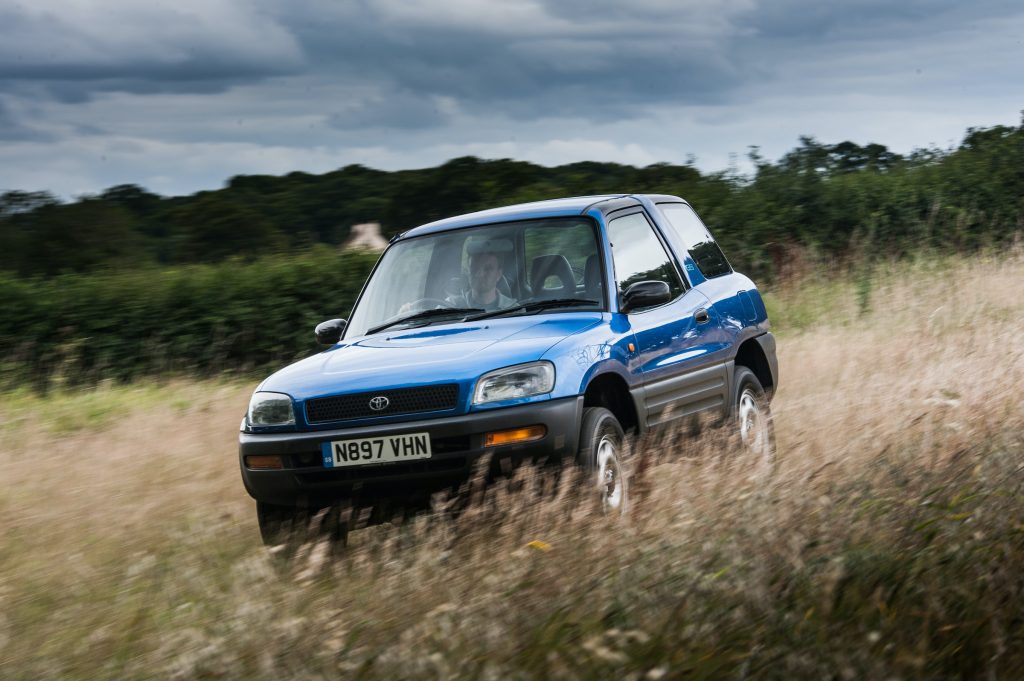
[(456, 444)]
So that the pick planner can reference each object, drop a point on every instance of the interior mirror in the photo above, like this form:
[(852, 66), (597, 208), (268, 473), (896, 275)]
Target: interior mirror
[(329, 332), (645, 294)]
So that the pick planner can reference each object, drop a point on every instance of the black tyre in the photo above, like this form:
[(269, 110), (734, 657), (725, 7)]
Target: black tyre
[(752, 417), (291, 526), (276, 522), (602, 443)]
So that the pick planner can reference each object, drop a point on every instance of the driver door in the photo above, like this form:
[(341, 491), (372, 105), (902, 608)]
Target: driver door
[(674, 341)]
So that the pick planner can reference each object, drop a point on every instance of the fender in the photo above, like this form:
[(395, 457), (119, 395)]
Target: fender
[(767, 343), (770, 364)]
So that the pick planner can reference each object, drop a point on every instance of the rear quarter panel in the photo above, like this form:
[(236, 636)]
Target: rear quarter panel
[(738, 306)]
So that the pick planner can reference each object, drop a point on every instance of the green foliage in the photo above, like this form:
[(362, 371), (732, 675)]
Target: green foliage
[(211, 228), (110, 286), (198, 318), (838, 200), (51, 238)]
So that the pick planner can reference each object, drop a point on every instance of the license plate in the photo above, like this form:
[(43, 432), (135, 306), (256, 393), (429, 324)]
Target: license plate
[(386, 449)]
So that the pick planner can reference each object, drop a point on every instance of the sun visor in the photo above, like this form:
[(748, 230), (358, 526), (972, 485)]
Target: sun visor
[(490, 245)]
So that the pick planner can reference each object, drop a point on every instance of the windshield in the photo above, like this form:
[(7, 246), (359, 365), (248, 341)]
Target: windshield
[(482, 269)]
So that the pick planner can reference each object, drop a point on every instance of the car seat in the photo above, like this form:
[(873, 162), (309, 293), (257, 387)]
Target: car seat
[(543, 267), (593, 285)]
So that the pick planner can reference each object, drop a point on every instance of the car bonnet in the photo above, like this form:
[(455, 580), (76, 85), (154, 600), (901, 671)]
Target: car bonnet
[(451, 352)]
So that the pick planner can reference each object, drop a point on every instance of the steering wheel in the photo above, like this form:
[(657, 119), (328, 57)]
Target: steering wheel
[(427, 303)]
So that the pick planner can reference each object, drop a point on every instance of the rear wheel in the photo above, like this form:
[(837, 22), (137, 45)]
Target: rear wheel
[(602, 443), (753, 417)]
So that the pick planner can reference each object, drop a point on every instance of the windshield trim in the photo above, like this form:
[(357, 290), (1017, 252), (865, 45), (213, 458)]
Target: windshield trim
[(599, 239)]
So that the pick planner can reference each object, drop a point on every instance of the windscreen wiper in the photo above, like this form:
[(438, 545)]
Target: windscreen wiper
[(425, 314), (534, 305)]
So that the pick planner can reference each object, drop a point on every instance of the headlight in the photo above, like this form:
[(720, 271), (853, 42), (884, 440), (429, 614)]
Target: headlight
[(271, 409), (509, 383)]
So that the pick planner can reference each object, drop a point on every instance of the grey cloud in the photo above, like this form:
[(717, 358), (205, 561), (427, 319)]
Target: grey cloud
[(197, 68), (821, 23), (610, 61), (399, 110), (77, 50), (413, 82), (78, 91), (597, 77), (13, 130), (90, 130), (74, 91), (565, 58)]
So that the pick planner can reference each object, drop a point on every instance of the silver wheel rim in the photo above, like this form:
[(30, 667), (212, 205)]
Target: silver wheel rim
[(609, 476), (753, 425)]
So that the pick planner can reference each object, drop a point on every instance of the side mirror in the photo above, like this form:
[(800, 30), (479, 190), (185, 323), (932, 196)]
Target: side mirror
[(645, 294), (329, 332)]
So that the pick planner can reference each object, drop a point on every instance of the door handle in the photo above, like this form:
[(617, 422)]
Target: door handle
[(701, 316)]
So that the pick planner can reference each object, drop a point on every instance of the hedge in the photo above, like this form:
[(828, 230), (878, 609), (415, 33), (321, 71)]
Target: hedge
[(200, 319)]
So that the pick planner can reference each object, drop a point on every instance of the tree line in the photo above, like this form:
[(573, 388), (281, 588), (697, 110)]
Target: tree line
[(835, 200), (129, 283)]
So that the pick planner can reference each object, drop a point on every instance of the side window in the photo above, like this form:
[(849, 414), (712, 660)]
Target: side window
[(639, 255), (697, 239)]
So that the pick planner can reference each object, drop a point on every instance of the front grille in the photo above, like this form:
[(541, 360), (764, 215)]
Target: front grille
[(400, 401)]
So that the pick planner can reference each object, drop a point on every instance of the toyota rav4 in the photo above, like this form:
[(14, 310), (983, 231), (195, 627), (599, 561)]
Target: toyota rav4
[(544, 332)]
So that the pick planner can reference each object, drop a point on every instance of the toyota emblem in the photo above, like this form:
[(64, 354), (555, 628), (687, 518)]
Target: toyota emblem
[(379, 403)]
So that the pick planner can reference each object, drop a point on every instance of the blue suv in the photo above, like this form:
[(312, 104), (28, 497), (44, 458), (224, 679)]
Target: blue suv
[(542, 332)]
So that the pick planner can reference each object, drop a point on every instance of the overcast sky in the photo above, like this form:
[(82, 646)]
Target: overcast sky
[(179, 95)]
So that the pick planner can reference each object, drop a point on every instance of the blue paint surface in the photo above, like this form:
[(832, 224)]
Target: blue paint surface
[(668, 340)]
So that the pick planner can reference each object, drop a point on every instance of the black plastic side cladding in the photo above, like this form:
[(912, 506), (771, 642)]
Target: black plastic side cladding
[(767, 343)]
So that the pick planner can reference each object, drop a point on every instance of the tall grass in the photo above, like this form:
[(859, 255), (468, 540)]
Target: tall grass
[(887, 542)]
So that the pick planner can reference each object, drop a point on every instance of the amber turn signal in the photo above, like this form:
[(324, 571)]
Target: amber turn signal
[(263, 462), (508, 437)]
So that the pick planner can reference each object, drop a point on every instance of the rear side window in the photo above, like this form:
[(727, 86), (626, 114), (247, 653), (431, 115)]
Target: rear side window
[(697, 239), (639, 255)]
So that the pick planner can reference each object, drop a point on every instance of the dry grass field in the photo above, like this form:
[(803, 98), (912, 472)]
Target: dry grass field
[(888, 541)]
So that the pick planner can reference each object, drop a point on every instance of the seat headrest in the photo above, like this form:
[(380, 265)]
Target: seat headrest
[(544, 267)]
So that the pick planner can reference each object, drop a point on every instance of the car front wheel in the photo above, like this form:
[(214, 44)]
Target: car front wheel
[(290, 526), (602, 443)]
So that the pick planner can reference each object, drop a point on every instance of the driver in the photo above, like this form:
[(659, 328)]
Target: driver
[(484, 272)]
